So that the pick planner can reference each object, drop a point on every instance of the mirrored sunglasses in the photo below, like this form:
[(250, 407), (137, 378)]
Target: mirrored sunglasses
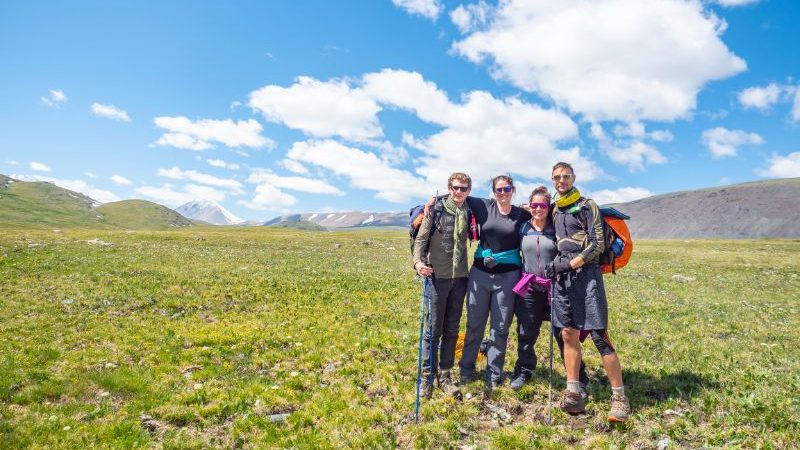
[(505, 189), (538, 205)]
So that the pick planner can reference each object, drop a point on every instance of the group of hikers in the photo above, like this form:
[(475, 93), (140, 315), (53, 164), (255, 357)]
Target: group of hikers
[(552, 242)]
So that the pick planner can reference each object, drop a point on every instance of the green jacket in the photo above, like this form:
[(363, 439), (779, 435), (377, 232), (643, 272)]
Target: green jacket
[(439, 253)]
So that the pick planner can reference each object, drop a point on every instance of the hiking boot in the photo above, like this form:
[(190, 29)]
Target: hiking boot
[(571, 402), (620, 408), (447, 385), (519, 380), (489, 386), (426, 385), (584, 394), (465, 379)]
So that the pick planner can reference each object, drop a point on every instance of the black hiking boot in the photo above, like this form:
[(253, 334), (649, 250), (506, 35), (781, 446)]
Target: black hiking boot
[(519, 380)]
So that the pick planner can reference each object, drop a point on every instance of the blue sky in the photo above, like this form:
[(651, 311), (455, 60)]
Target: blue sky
[(275, 107)]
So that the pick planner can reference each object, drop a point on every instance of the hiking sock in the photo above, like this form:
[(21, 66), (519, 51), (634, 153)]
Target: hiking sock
[(574, 386), (618, 390)]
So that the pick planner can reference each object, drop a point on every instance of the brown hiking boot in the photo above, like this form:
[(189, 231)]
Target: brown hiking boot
[(447, 384), (426, 385), (571, 402), (620, 408)]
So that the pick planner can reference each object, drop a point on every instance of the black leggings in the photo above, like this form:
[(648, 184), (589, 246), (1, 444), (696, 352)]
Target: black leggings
[(600, 338)]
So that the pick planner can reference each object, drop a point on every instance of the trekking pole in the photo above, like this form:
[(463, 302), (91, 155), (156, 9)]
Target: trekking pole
[(419, 355), (432, 352), (550, 373)]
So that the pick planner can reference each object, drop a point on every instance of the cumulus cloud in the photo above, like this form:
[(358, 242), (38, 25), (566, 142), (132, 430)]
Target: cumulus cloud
[(90, 175), (628, 146), (782, 166), (760, 97), (320, 109), (222, 164), (733, 3), (607, 59), (796, 106), (172, 196), (365, 170), (430, 9), (202, 134), (100, 195), (265, 176), (55, 99), (293, 166), (620, 195), (110, 112), (120, 180), (39, 167), (471, 17), (722, 142), (177, 173), (510, 128), (269, 198)]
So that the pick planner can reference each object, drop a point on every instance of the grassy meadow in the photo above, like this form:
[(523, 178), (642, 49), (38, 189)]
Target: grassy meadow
[(278, 338)]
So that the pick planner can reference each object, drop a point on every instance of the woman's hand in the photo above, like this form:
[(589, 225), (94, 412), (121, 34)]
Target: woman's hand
[(423, 270)]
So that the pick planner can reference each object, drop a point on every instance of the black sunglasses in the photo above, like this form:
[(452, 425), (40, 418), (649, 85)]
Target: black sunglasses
[(460, 188)]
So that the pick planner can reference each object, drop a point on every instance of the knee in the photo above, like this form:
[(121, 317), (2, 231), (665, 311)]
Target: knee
[(570, 335)]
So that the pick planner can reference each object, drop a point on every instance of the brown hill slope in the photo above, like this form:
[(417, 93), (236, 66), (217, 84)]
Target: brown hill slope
[(749, 210)]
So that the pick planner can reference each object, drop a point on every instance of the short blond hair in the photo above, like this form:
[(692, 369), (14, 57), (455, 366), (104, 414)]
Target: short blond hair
[(460, 176)]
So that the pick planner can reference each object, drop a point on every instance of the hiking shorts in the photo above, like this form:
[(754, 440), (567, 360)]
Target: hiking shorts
[(579, 299)]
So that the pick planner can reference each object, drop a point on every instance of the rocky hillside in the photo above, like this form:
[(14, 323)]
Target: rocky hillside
[(749, 210)]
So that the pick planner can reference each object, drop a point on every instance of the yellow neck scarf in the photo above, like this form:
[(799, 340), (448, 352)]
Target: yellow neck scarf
[(567, 199)]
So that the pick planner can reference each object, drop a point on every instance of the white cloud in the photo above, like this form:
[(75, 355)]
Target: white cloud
[(607, 59), (39, 167), (510, 129), (176, 173), (110, 112), (55, 99), (302, 184), (100, 195), (760, 97), (430, 9), (621, 195), (293, 166), (635, 155), (320, 109), (202, 134), (796, 106), (222, 164), (365, 170), (628, 146), (269, 198), (90, 175), (120, 180), (169, 195), (733, 3), (782, 166), (722, 142), (471, 17)]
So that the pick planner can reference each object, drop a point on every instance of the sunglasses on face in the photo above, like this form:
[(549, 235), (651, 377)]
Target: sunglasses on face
[(538, 205), (459, 188), (565, 177), (505, 189)]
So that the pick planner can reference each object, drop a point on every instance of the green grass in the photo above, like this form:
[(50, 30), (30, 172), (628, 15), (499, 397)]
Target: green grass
[(211, 332), (141, 215)]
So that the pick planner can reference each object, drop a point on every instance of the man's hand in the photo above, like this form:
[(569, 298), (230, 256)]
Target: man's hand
[(556, 267), (429, 205), (423, 270)]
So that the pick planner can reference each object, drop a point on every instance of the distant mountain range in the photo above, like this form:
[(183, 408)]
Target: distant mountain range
[(347, 219), (766, 209), (209, 212)]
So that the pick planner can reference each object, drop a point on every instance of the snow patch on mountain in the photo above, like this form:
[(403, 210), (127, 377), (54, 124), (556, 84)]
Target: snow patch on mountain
[(208, 211)]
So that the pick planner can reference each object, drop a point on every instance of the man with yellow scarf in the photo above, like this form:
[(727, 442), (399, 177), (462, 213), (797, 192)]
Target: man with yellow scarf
[(579, 306)]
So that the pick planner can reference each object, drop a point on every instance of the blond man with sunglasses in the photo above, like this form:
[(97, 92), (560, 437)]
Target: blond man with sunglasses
[(440, 252)]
